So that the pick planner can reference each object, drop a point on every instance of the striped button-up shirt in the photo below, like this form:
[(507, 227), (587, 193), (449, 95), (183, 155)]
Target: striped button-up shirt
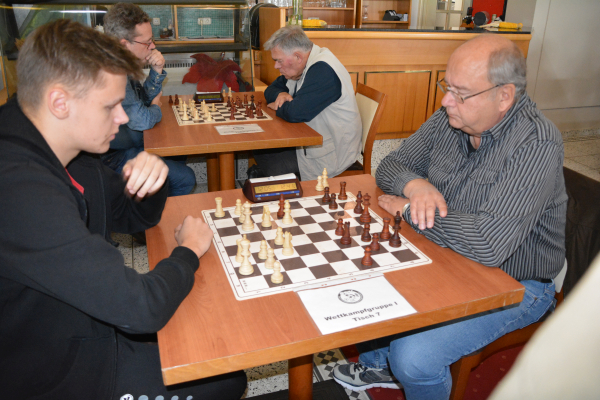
[(506, 200)]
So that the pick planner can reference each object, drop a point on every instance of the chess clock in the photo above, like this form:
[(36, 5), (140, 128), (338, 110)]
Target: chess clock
[(268, 189), (208, 97)]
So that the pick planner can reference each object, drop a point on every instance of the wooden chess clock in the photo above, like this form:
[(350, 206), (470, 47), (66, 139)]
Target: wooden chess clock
[(269, 189), (208, 97)]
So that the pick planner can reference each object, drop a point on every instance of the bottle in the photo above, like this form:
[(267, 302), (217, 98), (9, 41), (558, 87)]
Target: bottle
[(296, 17)]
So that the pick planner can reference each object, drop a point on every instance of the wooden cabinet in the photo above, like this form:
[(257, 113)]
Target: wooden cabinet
[(376, 9)]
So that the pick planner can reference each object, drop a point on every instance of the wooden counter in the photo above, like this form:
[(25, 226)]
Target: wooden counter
[(405, 65)]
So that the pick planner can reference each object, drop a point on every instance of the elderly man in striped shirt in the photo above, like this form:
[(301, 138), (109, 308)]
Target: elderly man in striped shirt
[(483, 176)]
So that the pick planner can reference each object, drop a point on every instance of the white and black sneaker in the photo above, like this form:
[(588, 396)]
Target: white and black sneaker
[(355, 376)]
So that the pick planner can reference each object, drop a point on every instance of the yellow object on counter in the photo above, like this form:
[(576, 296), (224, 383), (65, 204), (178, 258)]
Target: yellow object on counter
[(510, 25), (313, 23)]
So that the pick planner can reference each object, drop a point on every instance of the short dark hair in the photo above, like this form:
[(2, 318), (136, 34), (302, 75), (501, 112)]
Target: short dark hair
[(122, 18), (71, 54)]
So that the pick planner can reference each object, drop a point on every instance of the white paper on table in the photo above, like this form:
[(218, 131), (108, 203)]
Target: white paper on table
[(353, 304), (235, 129), (273, 178)]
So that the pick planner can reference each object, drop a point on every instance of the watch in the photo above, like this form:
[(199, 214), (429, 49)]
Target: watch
[(405, 207)]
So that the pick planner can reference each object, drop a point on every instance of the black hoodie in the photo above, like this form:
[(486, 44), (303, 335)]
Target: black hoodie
[(64, 289)]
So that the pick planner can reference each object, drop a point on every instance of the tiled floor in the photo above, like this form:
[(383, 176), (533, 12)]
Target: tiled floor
[(582, 154)]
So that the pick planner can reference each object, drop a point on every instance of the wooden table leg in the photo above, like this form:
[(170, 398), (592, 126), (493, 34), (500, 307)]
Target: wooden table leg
[(227, 171), (300, 373), (212, 172)]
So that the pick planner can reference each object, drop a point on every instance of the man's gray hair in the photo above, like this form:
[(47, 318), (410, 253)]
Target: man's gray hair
[(122, 18), (508, 65), (289, 39)]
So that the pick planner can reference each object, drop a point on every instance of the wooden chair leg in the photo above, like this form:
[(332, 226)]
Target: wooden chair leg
[(460, 372)]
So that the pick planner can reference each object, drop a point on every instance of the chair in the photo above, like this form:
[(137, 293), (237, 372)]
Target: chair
[(370, 106), (461, 369)]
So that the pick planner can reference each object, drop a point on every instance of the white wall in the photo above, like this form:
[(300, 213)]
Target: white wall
[(520, 11), (563, 64)]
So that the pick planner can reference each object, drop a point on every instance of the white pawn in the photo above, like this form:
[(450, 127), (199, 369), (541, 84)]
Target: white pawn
[(270, 258), (279, 237), (288, 250), (320, 186), (219, 213), (209, 117), (238, 207), (262, 254), (212, 108), (248, 225), (184, 116), (266, 218), (287, 217), (324, 178), (246, 268), (238, 257), (276, 276)]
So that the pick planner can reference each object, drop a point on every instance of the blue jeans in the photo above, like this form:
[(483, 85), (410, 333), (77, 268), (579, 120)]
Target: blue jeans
[(421, 361), (181, 177)]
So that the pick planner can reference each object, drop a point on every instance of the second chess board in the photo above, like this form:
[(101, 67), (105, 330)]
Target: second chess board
[(221, 115)]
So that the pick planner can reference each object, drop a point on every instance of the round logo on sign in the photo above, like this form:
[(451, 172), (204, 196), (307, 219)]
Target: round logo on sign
[(350, 296)]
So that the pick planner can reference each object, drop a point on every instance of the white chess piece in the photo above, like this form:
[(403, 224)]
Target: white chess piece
[(287, 217), (219, 213), (266, 218), (238, 208), (238, 257), (212, 108), (279, 236), (288, 250), (270, 258), (324, 178), (320, 186), (184, 116), (262, 254), (246, 268), (248, 225), (276, 276)]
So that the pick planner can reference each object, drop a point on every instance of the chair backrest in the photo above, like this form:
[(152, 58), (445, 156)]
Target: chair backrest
[(370, 106)]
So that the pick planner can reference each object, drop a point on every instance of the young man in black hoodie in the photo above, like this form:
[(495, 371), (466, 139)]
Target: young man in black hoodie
[(71, 313)]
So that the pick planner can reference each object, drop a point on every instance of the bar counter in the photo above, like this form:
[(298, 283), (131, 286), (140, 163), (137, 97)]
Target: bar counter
[(404, 64)]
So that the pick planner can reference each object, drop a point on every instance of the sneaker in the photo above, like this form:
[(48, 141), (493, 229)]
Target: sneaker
[(355, 376)]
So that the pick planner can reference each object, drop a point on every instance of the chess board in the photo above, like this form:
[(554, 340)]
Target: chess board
[(221, 115), (318, 257)]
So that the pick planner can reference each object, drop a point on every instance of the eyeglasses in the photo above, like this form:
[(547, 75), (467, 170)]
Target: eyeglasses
[(145, 44), (444, 88)]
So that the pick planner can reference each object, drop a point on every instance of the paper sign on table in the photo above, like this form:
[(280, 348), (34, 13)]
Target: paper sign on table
[(349, 305), (235, 129)]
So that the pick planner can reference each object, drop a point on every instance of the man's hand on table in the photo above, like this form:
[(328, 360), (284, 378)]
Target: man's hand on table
[(281, 98), (424, 199), (194, 234), (145, 175)]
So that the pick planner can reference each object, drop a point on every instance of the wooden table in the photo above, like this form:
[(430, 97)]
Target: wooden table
[(212, 333), (167, 138)]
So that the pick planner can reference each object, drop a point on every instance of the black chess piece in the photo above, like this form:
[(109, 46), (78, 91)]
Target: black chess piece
[(385, 232), (367, 260), (170, 100), (326, 198), (280, 213), (342, 195), (366, 217), (358, 209), (339, 231), (332, 204), (395, 240), (375, 243), (252, 105), (397, 220), (346, 239), (366, 236)]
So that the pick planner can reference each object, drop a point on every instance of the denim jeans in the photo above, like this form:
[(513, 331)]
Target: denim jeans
[(421, 361), (181, 177)]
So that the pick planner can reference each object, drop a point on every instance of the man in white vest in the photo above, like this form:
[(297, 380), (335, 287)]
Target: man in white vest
[(315, 88)]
